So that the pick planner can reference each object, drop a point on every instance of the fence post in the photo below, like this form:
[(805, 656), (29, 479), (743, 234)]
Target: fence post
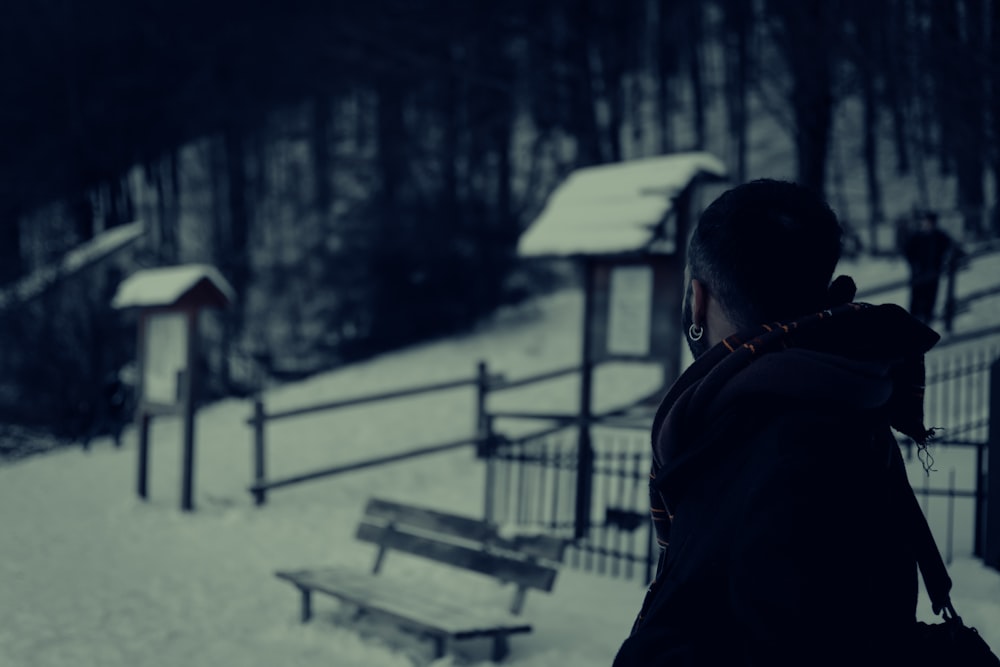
[(979, 520), (482, 389), (487, 447), (260, 495), (992, 555), (142, 474)]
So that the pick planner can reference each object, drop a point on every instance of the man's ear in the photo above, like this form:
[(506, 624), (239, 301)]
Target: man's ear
[(699, 302)]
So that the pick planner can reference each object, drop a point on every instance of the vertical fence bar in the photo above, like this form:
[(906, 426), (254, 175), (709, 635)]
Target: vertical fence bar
[(557, 474), (543, 472), (951, 516), (992, 546), (488, 447), (636, 478), (979, 518)]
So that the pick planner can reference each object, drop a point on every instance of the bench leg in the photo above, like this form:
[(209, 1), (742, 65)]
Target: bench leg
[(501, 648), (440, 646), (306, 604)]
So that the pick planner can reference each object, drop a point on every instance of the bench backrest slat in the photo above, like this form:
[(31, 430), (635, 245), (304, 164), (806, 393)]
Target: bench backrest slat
[(466, 528), (503, 567)]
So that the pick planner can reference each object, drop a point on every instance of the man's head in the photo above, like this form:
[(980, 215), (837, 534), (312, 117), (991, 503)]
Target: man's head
[(763, 251)]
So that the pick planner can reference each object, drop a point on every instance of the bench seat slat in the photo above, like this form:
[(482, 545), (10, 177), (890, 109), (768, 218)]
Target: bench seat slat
[(407, 604), (503, 567), (461, 527)]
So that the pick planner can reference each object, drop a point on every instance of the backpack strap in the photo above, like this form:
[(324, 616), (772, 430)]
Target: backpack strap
[(932, 567)]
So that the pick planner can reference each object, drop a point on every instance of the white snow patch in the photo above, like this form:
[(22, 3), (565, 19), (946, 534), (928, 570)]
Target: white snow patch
[(165, 285), (91, 576)]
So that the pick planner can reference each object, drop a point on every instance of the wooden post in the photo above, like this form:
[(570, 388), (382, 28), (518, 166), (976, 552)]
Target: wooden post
[(585, 450), (992, 556), (489, 509), (187, 472), (142, 475), (482, 389), (260, 495), (142, 418)]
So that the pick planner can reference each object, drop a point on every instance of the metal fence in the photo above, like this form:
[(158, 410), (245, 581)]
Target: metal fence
[(532, 481), (532, 484)]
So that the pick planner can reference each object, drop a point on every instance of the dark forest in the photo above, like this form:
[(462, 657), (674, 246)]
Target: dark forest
[(361, 171)]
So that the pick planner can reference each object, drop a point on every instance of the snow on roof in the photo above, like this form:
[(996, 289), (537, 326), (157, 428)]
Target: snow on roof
[(165, 285), (85, 254), (614, 207)]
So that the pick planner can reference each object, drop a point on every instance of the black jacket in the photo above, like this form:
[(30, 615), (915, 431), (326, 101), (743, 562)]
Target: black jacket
[(776, 486)]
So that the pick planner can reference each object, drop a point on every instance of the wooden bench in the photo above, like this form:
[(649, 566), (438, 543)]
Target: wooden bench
[(525, 561)]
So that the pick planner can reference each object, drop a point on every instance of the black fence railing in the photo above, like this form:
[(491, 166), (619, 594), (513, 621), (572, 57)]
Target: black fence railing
[(532, 481), (532, 485)]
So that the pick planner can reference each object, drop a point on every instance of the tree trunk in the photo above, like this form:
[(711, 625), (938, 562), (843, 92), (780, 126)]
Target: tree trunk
[(693, 47), (83, 216), (390, 131), (11, 262), (321, 154), (894, 43), (234, 256), (806, 35), (870, 129), (738, 23), (166, 182), (970, 104), (666, 65), (584, 115), (994, 91)]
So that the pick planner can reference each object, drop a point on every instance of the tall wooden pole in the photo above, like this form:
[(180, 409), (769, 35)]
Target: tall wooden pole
[(142, 474), (190, 382), (141, 416), (585, 448)]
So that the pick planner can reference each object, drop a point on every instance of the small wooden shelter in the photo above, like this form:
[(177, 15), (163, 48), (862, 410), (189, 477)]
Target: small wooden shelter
[(627, 224), (169, 300)]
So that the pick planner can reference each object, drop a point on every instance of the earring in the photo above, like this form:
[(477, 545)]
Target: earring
[(695, 332)]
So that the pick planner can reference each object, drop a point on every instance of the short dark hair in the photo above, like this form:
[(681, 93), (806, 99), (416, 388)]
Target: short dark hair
[(766, 250)]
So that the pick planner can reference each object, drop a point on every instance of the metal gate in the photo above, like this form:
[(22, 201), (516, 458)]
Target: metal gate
[(534, 484)]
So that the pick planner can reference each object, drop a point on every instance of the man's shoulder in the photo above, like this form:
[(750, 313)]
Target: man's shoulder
[(807, 431)]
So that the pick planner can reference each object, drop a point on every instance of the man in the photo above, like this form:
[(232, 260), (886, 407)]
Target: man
[(927, 251), (776, 482)]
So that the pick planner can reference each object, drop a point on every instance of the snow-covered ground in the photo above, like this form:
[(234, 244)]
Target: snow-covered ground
[(90, 575)]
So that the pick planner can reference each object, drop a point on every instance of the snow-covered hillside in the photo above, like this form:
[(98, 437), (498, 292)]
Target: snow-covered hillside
[(91, 576)]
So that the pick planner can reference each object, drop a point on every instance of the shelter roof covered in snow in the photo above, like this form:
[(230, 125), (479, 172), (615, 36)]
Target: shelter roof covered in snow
[(167, 286), (86, 254), (616, 207)]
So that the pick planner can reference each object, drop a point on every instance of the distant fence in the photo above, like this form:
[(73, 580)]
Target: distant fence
[(482, 381)]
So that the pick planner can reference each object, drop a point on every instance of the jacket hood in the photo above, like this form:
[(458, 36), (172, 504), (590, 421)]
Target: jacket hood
[(853, 358)]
